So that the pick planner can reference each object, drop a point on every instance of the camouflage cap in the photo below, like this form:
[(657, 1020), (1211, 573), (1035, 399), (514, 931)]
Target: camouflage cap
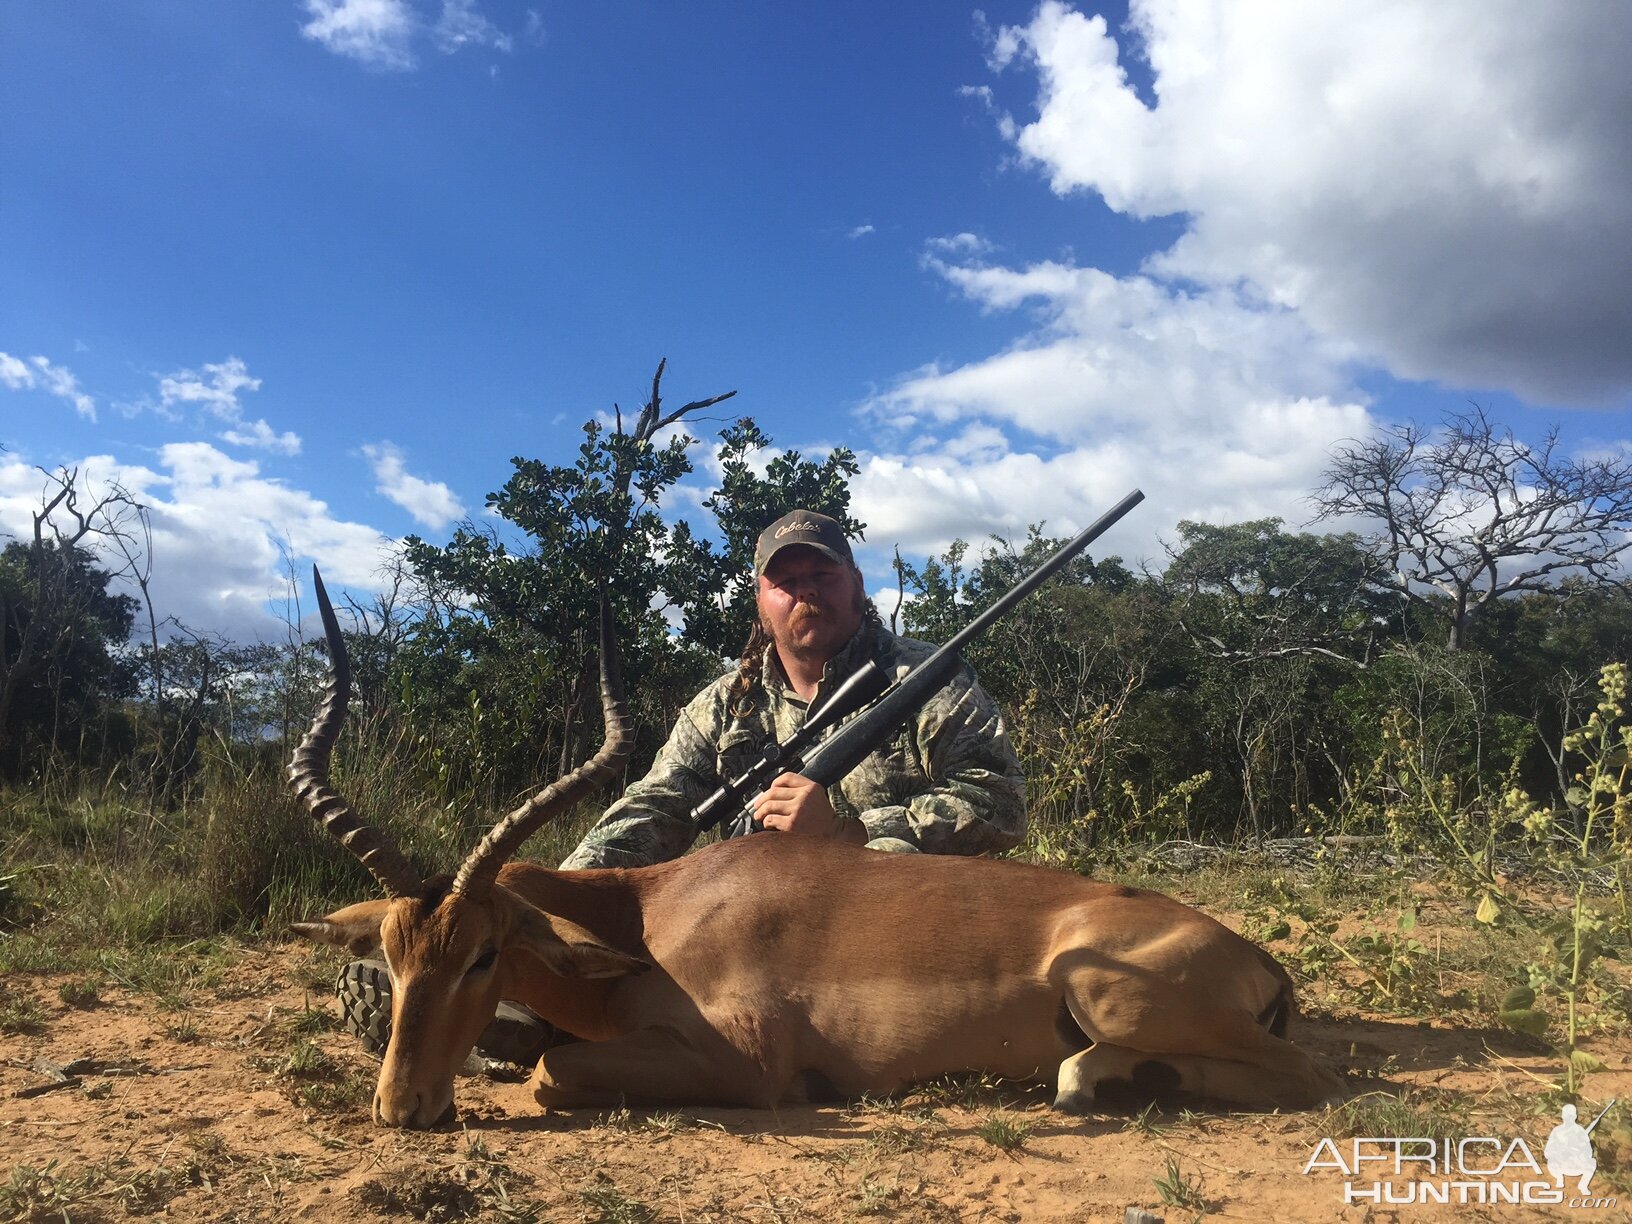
[(801, 527)]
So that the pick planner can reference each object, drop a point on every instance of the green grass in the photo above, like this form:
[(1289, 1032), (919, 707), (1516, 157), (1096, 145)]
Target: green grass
[(42, 1192), (20, 1013), (110, 1187), (315, 1080), (184, 1031), (606, 1204), (80, 993), (1176, 1188), (1004, 1132), (311, 1020), (1428, 1115)]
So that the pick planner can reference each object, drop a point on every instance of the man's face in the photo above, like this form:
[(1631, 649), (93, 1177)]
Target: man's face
[(810, 604)]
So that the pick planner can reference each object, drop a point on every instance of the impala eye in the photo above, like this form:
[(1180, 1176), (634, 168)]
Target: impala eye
[(484, 962)]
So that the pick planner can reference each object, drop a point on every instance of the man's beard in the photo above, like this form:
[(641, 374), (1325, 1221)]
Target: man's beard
[(806, 614)]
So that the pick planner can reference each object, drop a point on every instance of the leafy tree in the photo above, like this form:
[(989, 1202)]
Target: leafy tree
[(1050, 643), (58, 624), (1473, 514), (590, 525), (1278, 621), (715, 587), (1254, 591), (504, 657), (1070, 665), (59, 646)]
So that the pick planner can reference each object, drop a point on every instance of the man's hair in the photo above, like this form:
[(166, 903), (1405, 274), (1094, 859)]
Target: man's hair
[(752, 664)]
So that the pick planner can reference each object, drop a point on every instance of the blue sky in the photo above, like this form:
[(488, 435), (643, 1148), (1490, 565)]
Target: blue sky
[(305, 274)]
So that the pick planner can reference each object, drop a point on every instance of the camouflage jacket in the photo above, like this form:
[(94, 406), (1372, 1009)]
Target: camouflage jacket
[(947, 783)]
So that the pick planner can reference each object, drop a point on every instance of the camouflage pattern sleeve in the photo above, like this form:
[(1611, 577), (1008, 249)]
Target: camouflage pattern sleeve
[(950, 783), (652, 822)]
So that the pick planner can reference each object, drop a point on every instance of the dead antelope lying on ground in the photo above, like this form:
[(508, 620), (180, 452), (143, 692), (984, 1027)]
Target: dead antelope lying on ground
[(778, 968)]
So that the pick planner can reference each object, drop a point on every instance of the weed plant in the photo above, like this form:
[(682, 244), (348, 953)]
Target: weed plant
[(1005, 1132), (1176, 1188)]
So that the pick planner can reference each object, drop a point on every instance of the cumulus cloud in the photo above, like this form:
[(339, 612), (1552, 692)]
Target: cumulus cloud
[(373, 32), (1220, 408), (1447, 186), (431, 502), (14, 372), (216, 388), (860, 231), (383, 34), (40, 373), (964, 245), (220, 533)]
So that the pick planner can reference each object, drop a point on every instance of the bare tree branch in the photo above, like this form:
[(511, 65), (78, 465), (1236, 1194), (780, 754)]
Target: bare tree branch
[(1474, 513)]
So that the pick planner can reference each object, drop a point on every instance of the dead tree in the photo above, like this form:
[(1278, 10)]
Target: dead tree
[(1472, 513)]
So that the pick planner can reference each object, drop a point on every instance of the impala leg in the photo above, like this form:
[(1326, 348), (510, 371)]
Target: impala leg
[(653, 1064), (1277, 1075)]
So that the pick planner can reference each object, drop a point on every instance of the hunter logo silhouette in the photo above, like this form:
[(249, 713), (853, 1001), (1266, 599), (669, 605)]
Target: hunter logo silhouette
[(1569, 1148)]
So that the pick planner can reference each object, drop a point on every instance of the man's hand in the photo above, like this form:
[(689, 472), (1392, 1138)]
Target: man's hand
[(794, 804)]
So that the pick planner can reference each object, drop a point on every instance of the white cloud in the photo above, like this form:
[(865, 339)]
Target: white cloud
[(53, 379), (374, 32), (62, 384), (860, 231), (958, 246), (533, 29), (261, 436), (1221, 409), (14, 372), (383, 33), (216, 388), (1447, 186), (431, 502), (460, 25), (219, 531)]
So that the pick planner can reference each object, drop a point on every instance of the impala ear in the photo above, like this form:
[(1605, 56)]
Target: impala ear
[(355, 928), (569, 950)]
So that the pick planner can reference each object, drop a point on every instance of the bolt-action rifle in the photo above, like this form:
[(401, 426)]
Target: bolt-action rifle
[(888, 706)]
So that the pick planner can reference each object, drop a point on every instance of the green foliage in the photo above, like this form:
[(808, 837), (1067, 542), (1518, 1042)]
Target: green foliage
[(81, 993), (60, 666), (1005, 1132), (1427, 1114), (1176, 1188), (719, 609), (496, 679), (20, 1012), (1589, 837)]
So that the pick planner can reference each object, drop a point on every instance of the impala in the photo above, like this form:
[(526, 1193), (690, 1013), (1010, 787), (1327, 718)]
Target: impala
[(777, 968)]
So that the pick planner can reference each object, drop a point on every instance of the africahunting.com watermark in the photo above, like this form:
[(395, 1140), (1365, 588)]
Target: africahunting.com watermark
[(1474, 1169)]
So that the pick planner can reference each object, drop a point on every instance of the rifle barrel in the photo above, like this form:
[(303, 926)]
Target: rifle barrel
[(1600, 1117), (841, 752), (1042, 573)]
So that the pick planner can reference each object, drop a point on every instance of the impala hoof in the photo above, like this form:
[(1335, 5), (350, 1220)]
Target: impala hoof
[(1079, 1103)]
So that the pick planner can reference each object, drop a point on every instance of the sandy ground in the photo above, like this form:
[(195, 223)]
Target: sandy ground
[(241, 1105)]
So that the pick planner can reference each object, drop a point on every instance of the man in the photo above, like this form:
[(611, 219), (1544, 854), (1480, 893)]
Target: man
[(948, 783)]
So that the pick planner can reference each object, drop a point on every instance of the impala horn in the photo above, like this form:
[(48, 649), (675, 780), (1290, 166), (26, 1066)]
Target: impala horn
[(481, 869), (309, 770)]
